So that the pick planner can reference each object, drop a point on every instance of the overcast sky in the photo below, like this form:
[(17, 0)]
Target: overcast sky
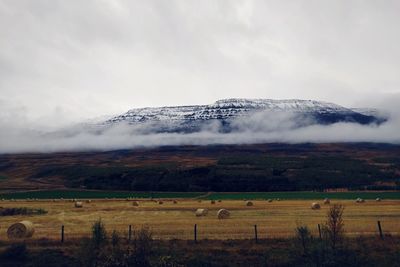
[(82, 59)]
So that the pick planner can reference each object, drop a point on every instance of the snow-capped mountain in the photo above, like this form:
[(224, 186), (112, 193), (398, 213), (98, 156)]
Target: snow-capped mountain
[(193, 118)]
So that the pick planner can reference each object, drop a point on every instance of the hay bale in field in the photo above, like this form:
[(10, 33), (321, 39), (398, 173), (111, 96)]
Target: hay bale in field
[(223, 214), (269, 200), (160, 202), (249, 203), (278, 199), (219, 200), (88, 200), (212, 201), (23, 229), (78, 204), (175, 202), (360, 200), (201, 212), (199, 201), (315, 206), (327, 201), (378, 199), (135, 204)]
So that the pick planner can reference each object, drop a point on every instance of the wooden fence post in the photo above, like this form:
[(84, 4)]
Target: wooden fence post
[(380, 229), (255, 233), (319, 231), (62, 233), (195, 233), (130, 233)]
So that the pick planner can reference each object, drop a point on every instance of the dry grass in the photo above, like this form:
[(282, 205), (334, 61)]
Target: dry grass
[(175, 221)]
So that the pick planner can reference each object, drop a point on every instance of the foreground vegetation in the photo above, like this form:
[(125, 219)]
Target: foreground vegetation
[(360, 252), (116, 249)]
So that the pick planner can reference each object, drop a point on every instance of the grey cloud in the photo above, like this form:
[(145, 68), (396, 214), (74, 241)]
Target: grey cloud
[(101, 57)]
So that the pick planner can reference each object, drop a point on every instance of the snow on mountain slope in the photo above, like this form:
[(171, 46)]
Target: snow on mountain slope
[(191, 118)]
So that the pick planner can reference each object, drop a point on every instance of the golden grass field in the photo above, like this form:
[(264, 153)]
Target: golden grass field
[(176, 221)]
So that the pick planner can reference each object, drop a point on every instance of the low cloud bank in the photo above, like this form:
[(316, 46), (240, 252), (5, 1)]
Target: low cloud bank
[(22, 136)]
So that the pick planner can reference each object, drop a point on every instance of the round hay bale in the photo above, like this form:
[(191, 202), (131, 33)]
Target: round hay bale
[(269, 200), (378, 199), (278, 199), (78, 204), (135, 204), (360, 200), (175, 202), (223, 214), (315, 206), (23, 229), (212, 201), (327, 201), (201, 212), (160, 202), (219, 200), (249, 203), (88, 200)]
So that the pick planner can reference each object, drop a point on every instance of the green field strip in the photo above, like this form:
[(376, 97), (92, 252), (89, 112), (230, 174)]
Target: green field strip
[(306, 195), (96, 194)]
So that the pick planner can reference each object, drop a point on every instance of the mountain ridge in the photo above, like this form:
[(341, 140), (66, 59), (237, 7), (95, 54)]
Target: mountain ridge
[(191, 118)]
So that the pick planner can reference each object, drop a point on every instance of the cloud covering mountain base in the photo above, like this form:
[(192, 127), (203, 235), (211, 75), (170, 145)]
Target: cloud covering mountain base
[(261, 127)]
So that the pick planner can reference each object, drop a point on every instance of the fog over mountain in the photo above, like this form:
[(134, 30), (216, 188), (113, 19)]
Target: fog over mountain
[(231, 122)]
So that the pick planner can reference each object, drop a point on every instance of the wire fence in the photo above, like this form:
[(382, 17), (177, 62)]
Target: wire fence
[(194, 232)]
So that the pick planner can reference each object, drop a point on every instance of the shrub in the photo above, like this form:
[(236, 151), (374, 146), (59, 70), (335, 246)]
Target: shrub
[(303, 236), (21, 211), (142, 246), (91, 252), (99, 234), (333, 229)]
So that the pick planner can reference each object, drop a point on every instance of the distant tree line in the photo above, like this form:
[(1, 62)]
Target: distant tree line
[(237, 173)]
